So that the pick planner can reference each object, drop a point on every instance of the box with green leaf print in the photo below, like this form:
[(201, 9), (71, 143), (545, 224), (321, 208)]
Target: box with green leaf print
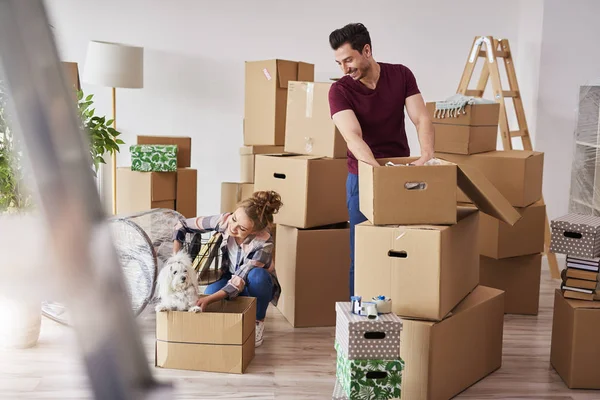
[(153, 157), (369, 379)]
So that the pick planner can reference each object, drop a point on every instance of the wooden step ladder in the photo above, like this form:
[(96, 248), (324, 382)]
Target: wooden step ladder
[(495, 49)]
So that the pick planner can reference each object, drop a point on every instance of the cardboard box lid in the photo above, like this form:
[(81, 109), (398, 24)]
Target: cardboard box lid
[(485, 195), (357, 323), (577, 223), (293, 71), (580, 304), (519, 154)]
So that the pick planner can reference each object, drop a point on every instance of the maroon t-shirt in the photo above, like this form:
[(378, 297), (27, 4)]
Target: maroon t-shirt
[(380, 112)]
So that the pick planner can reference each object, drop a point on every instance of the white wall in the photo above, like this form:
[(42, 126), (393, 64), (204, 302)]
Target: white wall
[(195, 52), (569, 58)]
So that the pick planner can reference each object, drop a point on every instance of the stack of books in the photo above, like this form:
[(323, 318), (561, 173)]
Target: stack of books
[(580, 278)]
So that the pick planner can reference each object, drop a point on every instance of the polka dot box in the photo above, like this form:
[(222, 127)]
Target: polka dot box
[(576, 235)]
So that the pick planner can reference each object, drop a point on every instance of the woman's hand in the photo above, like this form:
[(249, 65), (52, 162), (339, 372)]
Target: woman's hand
[(203, 302)]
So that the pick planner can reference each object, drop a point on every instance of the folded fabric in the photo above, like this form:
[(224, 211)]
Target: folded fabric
[(455, 105)]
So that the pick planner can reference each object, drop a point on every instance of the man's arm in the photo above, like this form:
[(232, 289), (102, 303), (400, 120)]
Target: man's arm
[(417, 112), (349, 127)]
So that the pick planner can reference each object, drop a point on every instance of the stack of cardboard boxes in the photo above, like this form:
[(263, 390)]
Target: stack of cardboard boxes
[(576, 320), (285, 108), (421, 250), (368, 364), (141, 190), (511, 256)]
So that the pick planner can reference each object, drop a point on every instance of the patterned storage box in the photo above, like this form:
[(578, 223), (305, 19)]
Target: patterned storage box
[(153, 157), (361, 338), (576, 235), (369, 379), (338, 392)]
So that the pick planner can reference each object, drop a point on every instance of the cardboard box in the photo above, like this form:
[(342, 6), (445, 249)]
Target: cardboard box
[(184, 147), (425, 269), (153, 157), (517, 174), (462, 139), (362, 338), (301, 256), (500, 240), (234, 192), (309, 128), (312, 189), (369, 379), (575, 348), (187, 192), (577, 235), (247, 154), (221, 339), (518, 277), (386, 196), (71, 71), (474, 115), (265, 98), (143, 191), (444, 358)]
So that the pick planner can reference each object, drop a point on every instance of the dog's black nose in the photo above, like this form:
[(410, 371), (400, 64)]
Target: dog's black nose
[(183, 278)]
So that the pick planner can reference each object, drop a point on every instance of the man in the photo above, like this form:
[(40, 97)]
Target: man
[(367, 106)]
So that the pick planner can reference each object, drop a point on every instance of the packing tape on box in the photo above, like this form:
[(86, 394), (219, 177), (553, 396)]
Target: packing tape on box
[(308, 145), (310, 94)]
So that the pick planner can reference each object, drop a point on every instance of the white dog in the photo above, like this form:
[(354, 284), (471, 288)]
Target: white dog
[(178, 285)]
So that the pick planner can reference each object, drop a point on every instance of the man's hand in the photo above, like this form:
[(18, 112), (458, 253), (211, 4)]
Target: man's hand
[(422, 160)]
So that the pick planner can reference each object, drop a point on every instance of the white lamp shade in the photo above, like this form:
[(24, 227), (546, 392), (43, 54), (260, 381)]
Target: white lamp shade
[(114, 65)]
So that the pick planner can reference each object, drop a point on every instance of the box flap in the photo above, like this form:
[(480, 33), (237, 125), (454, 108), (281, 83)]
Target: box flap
[(286, 71), (485, 195), (306, 72), (520, 154)]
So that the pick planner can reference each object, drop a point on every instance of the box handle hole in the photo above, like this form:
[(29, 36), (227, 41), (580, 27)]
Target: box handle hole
[(375, 335), (279, 176), (397, 254), (377, 375), (415, 185), (573, 235)]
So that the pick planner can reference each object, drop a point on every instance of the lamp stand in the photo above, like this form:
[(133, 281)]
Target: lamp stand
[(114, 155)]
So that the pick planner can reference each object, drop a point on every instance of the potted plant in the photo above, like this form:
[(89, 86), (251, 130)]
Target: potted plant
[(20, 318)]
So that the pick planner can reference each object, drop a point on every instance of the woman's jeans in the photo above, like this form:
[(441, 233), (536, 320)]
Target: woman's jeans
[(258, 284)]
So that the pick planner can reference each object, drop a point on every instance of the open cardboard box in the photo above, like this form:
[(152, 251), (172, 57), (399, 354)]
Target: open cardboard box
[(220, 339), (386, 196)]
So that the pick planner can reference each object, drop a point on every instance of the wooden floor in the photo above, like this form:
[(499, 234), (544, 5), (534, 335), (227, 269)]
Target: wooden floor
[(291, 364)]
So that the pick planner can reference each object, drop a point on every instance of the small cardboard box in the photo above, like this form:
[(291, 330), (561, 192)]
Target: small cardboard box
[(183, 143), (405, 195), (187, 192), (153, 157), (247, 154), (309, 128), (576, 235), (517, 174), (234, 192), (303, 254), (361, 338), (444, 358), (425, 269), (519, 277), (221, 339), (575, 348), (500, 240), (265, 98), (461, 139), (369, 379), (312, 189), (143, 191), (473, 115)]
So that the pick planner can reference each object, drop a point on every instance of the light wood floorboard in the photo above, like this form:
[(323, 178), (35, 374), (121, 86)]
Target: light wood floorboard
[(291, 364)]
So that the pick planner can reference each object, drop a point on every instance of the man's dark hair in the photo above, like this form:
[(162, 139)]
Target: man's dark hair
[(355, 34)]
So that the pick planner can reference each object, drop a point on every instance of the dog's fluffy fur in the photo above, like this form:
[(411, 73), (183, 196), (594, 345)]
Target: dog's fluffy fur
[(178, 285)]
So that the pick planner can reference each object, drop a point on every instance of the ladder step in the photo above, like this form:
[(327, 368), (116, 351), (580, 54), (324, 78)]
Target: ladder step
[(519, 133), (510, 93), (498, 54), (474, 93)]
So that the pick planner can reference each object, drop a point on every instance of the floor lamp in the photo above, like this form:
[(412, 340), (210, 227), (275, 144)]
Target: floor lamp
[(114, 65)]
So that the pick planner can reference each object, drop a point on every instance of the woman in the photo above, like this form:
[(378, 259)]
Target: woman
[(247, 250)]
